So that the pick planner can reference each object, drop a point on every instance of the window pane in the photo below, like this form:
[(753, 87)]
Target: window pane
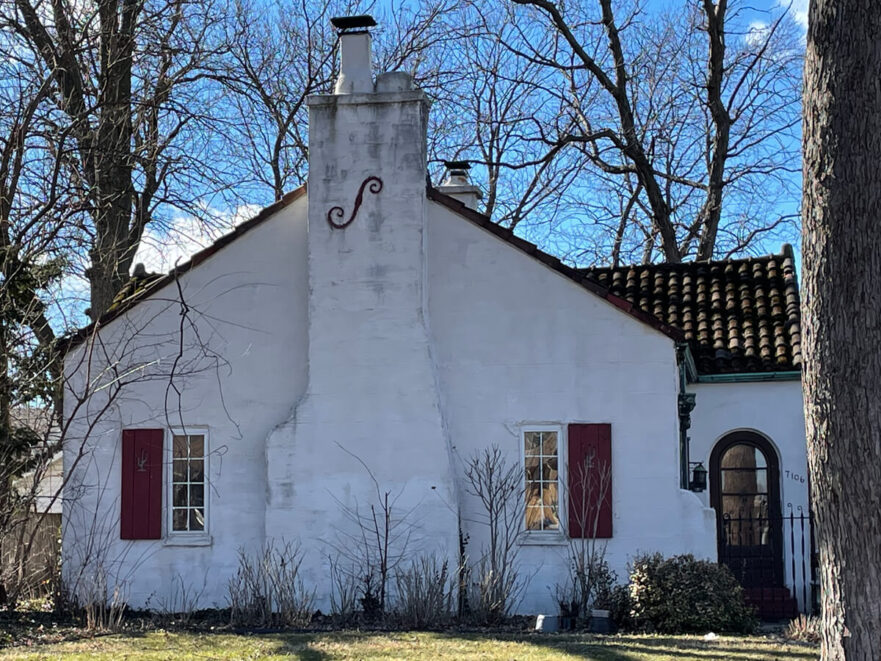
[(743, 455), (532, 441), (533, 494), (197, 472), (197, 519), (180, 495), (532, 464), (179, 446), (197, 495), (533, 518), (549, 494), (549, 469), (551, 522), (179, 473), (179, 520), (747, 531), (745, 480), (762, 480), (197, 446), (744, 507)]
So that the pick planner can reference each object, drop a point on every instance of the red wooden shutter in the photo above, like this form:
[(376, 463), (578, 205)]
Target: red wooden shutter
[(590, 480), (141, 499)]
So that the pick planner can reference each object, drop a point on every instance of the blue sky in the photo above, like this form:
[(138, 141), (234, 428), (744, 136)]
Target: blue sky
[(159, 255)]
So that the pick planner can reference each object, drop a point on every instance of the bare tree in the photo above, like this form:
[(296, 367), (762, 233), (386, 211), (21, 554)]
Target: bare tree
[(495, 581), (278, 56), (842, 278), (31, 218), (373, 546), (504, 110), (675, 110), (589, 484), (123, 97)]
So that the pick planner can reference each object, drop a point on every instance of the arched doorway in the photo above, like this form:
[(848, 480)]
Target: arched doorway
[(745, 492)]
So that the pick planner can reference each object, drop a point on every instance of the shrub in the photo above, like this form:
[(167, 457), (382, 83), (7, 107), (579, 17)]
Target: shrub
[(683, 595), (343, 592), (804, 628), (491, 594), (267, 590), (591, 585), (424, 593)]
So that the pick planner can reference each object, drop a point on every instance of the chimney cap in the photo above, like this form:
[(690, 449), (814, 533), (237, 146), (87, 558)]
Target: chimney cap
[(353, 23), (457, 165)]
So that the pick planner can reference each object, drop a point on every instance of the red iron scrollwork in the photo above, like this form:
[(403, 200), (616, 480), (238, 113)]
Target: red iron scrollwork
[(372, 184)]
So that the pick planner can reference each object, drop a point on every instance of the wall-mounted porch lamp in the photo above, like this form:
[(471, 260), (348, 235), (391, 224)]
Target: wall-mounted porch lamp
[(698, 480)]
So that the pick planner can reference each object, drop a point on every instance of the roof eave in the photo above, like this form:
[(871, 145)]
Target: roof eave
[(72, 340), (554, 263)]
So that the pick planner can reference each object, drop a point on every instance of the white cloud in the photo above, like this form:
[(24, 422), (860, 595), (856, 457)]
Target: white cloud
[(757, 33), (163, 247), (798, 9)]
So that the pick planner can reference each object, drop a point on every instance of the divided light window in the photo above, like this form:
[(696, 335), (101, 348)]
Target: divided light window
[(541, 461), (188, 483)]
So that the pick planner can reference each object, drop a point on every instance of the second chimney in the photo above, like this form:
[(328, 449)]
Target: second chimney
[(457, 184), (355, 76)]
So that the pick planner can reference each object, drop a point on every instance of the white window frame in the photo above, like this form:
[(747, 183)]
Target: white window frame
[(186, 537), (542, 537)]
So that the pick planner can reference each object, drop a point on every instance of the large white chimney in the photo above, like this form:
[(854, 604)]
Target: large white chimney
[(372, 397), (355, 54)]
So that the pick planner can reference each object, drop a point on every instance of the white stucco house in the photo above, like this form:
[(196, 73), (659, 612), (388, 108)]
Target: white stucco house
[(368, 331)]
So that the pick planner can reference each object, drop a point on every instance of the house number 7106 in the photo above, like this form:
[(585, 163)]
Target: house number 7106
[(795, 476)]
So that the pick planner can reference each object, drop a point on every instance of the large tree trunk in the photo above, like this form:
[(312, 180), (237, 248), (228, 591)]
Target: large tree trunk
[(113, 249), (842, 317)]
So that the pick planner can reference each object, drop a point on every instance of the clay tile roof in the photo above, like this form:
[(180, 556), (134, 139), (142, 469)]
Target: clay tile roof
[(739, 315)]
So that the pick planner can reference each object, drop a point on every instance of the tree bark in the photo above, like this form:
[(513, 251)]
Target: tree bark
[(711, 210), (842, 317)]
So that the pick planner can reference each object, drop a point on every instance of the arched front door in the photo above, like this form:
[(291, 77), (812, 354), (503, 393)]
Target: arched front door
[(745, 492)]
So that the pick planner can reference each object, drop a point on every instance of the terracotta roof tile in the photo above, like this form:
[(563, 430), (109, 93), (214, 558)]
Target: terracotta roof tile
[(739, 316)]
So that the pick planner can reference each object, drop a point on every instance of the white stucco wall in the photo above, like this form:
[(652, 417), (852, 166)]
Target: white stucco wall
[(774, 410), (518, 343), (248, 303)]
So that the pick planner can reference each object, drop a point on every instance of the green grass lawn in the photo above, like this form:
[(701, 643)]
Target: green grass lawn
[(407, 645)]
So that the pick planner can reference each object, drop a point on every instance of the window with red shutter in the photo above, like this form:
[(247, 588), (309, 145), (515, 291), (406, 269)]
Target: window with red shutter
[(141, 496), (590, 480)]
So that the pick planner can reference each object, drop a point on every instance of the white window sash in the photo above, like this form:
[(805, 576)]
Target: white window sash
[(196, 537), (557, 533)]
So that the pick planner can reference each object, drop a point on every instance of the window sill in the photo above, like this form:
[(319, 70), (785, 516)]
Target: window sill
[(543, 539), (188, 540)]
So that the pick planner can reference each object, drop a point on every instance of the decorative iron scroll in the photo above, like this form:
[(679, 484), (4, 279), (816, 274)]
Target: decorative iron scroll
[(372, 184)]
